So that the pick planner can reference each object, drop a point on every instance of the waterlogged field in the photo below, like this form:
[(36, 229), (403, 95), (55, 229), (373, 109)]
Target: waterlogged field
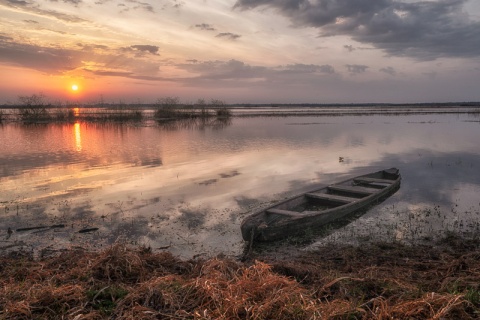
[(187, 186)]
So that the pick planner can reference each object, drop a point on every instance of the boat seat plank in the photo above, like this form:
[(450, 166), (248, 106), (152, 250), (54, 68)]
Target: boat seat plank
[(284, 212), (330, 197), (372, 180), (353, 189)]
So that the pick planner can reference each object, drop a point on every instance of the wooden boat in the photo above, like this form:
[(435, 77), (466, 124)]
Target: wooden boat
[(319, 207)]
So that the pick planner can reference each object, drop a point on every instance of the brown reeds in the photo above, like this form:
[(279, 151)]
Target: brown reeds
[(374, 282), (255, 292)]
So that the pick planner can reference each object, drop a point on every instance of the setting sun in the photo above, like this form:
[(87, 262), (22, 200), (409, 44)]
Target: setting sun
[(74, 87)]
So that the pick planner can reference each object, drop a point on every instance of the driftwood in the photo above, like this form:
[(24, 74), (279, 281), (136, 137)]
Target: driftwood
[(55, 226)]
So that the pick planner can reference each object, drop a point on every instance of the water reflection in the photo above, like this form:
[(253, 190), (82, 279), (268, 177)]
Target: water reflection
[(78, 136), (188, 186), (439, 194), (195, 123)]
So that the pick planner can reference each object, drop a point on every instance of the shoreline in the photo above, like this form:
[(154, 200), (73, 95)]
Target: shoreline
[(333, 282)]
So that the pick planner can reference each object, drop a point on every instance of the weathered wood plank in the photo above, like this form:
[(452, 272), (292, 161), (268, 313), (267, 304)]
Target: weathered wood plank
[(284, 212), (330, 197), (353, 189), (373, 180)]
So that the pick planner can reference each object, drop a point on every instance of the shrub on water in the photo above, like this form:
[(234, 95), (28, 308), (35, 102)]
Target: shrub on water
[(33, 108), (224, 113), (62, 114), (171, 108), (202, 108), (220, 108), (167, 107)]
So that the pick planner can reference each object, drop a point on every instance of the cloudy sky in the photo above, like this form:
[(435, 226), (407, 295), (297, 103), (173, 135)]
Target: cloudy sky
[(241, 51)]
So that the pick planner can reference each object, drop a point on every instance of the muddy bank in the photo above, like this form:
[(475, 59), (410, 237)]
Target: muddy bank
[(378, 281)]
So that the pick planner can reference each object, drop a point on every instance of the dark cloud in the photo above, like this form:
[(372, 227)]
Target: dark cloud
[(222, 70), (228, 35), (126, 74), (389, 70), (349, 47), (238, 73), (110, 73), (356, 68), (177, 4), (16, 2), (145, 48), (308, 68), (205, 26), (33, 8), (5, 38), (37, 26), (424, 30), (141, 5), (45, 59), (140, 50), (136, 5), (92, 46), (56, 60), (74, 2)]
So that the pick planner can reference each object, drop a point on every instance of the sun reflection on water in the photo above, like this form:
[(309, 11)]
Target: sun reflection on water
[(78, 137)]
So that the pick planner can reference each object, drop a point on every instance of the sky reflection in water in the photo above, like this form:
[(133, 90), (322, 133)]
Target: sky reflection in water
[(188, 188)]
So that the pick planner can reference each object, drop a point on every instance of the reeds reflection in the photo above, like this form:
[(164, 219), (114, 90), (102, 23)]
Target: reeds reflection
[(195, 123)]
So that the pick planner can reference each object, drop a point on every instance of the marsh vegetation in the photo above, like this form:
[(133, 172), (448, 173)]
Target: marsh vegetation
[(378, 281), (36, 108), (170, 108)]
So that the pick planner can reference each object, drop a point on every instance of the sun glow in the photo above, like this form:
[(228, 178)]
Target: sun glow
[(74, 87)]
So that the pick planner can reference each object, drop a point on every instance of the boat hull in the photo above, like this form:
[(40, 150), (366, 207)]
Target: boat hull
[(317, 208)]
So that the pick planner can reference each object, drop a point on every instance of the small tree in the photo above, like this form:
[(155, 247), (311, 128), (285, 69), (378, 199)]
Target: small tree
[(220, 108), (167, 107), (201, 106), (33, 107)]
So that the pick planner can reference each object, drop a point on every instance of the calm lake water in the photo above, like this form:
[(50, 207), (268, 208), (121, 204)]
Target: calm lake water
[(188, 187)]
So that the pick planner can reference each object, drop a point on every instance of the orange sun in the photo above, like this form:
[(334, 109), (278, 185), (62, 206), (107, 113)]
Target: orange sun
[(74, 87)]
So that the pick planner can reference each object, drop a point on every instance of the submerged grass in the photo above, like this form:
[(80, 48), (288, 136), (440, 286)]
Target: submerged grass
[(380, 281)]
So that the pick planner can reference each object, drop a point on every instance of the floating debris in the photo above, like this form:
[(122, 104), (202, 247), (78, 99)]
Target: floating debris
[(55, 226), (85, 230)]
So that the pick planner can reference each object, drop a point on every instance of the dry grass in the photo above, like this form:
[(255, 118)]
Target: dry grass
[(376, 282)]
